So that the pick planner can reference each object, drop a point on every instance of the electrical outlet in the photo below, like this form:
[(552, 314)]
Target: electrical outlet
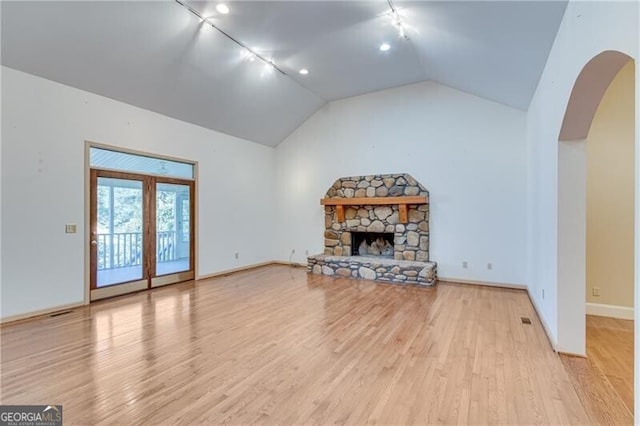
[(489, 266), (306, 252), (543, 293), (595, 291), (465, 265), (237, 255)]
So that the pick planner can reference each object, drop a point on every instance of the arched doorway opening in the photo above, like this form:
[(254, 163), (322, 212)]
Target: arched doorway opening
[(596, 186)]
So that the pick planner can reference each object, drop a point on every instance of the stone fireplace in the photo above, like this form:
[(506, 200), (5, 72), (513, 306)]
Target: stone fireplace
[(376, 227)]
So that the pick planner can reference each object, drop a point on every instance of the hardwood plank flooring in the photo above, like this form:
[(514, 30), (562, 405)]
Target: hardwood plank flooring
[(275, 345), (604, 380), (610, 346)]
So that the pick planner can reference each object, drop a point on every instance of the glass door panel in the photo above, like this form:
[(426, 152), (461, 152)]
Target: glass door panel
[(141, 232), (173, 228), (118, 231)]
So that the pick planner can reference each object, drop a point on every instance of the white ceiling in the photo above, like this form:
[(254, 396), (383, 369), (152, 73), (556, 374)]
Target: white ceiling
[(158, 56)]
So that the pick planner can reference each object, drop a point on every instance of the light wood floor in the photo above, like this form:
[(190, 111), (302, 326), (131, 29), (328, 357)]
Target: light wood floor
[(274, 345), (610, 345), (604, 381)]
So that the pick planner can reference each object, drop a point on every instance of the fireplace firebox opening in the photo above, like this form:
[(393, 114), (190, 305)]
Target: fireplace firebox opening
[(378, 244)]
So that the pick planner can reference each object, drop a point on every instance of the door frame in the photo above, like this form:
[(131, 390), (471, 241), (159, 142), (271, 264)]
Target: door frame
[(129, 286), (167, 279), (87, 208)]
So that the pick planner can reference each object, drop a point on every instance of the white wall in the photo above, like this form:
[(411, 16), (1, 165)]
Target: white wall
[(587, 29), (572, 234), (44, 128), (467, 151)]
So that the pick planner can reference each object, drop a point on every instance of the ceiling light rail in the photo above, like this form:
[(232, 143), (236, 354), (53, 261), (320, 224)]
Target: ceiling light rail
[(251, 53), (396, 21)]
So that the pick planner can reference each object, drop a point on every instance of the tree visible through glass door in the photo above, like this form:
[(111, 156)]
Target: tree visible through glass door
[(173, 228), (119, 235)]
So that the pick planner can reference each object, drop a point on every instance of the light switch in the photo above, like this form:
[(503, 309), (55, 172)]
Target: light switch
[(70, 228)]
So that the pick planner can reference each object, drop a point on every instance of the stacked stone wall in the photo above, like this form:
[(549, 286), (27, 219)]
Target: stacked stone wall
[(411, 240)]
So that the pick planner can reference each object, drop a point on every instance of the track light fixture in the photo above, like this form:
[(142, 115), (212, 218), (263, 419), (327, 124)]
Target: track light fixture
[(396, 21), (249, 53)]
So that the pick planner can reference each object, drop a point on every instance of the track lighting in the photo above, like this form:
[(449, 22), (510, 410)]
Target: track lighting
[(396, 21), (250, 54)]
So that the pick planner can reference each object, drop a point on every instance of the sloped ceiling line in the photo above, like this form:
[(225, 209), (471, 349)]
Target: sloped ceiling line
[(155, 56)]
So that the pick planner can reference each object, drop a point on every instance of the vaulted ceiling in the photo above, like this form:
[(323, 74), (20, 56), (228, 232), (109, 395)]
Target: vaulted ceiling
[(160, 56)]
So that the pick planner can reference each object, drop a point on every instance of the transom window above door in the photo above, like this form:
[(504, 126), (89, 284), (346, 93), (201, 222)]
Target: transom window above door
[(141, 214), (107, 159)]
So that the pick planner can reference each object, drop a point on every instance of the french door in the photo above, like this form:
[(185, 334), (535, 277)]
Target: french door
[(141, 232)]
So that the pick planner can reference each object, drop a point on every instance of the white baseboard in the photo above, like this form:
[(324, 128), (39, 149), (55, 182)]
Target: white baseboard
[(247, 267), (231, 271), (611, 311), (286, 262), (484, 283), (41, 312), (545, 326)]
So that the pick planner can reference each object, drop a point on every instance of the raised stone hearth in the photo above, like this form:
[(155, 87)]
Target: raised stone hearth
[(371, 268), (388, 209)]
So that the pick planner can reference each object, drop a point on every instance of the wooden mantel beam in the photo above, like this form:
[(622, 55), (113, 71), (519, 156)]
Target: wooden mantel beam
[(373, 201), (402, 203)]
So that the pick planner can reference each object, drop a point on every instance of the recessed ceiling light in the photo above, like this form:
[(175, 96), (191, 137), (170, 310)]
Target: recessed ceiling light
[(222, 8), (384, 47), (304, 71)]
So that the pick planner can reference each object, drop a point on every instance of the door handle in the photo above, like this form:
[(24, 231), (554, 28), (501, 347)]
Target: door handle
[(94, 243)]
